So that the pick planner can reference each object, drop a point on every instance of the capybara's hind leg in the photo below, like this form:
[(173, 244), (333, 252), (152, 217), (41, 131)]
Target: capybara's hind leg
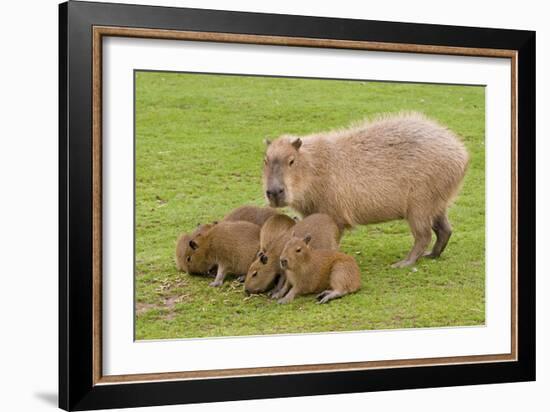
[(422, 232), (344, 279), (443, 231)]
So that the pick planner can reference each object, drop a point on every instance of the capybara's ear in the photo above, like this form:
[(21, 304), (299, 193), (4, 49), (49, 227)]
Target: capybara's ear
[(297, 143), (193, 245), (267, 141), (307, 239)]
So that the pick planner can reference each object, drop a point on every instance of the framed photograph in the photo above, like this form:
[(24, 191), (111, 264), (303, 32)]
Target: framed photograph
[(256, 205)]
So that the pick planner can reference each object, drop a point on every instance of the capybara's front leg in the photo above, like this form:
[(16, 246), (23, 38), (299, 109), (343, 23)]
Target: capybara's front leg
[(212, 272), (281, 292), (289, 297), (278, 286), (220, 276)]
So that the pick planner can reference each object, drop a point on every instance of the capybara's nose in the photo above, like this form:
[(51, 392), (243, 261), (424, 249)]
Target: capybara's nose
[(275, 192), (284, 263)]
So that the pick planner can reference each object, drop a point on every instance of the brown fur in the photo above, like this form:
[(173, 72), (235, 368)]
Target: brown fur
[(181, 248), (330, 273), (231, 246), (397, 167), (252, 214), (273, 229), (274, 235), (182, 245)]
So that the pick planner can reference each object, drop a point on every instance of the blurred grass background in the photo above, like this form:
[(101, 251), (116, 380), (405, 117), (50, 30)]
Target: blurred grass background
[(199, 150)]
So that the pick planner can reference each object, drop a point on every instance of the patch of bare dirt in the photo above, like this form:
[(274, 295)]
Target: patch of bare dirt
[(142, 308), (170, 302), (169, 293)]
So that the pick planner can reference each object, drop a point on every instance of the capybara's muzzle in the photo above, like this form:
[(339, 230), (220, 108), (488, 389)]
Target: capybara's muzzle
[(276, 195)]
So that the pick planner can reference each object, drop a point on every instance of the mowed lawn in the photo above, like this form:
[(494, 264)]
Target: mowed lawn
[(199, 151)]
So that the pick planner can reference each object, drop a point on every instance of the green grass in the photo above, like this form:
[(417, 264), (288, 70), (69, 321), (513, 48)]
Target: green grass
[(199, 150)]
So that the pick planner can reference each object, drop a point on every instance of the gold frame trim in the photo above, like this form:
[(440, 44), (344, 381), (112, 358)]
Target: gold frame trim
[(101, 31)]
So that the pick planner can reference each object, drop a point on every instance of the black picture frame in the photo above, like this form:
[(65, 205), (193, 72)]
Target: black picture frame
[(77, 390)]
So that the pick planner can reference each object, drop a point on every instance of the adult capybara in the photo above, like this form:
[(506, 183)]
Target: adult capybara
[(247, 213), (403, 166), (273, 237), (330, 273), (229, 246)]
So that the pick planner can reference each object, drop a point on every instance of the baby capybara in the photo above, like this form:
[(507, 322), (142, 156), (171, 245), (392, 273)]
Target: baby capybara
[(403, 166), (247, 213), (329, 273), (229, 246), (252, 214), (182, 246), (273, 237), (263, 271)]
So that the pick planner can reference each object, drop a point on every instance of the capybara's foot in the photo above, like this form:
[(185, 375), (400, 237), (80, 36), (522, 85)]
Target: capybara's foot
[(430, 255), (278, 295), (322, 294), (403, 263), (329, 295), (289, 297), (285, 300), (216, 283), (273, 293)]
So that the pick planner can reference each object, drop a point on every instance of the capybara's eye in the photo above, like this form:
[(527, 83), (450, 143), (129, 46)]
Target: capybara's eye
[(189, 258), (254, 274), (263, 259), (291, 162), (298, 250)]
